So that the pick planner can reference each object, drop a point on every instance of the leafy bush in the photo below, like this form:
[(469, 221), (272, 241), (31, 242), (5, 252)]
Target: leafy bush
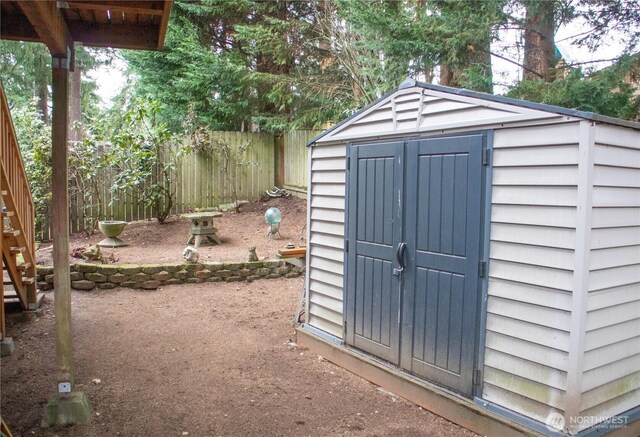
[(88, 175), (144, 156), (34, 139)]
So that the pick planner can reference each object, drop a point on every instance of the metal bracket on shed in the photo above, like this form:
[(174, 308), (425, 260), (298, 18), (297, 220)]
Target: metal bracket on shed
[(486, 156)]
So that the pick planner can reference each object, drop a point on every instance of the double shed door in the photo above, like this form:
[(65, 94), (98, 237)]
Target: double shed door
[(414, 213)]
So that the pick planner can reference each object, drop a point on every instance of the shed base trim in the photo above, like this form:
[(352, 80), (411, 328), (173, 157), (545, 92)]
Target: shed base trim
[(431, 397), (631, 427)]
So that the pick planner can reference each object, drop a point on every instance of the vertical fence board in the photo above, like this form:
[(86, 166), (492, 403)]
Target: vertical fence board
[(295, 158)]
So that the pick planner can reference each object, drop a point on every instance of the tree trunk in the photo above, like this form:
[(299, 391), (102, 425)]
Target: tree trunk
[(539, 44), (75, 108), (449, 76), (42, 94), (479, 56)]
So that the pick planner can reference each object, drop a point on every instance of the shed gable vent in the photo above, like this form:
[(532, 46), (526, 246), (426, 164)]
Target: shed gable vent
[(416, 109)]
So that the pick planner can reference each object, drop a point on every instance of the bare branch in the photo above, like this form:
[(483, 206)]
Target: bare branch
[(516, 63)]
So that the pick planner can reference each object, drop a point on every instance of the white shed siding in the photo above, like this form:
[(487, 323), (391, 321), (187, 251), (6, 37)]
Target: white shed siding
[(326, 238), (533, 222), (611, 378), (414, 110)]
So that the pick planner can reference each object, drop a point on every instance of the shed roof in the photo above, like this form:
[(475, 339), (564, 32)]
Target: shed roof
[(136, 24), (411, 83)]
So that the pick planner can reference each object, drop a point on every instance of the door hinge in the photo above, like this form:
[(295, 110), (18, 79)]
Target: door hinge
[(348, 163), (477, 377), (486, 156), (346, 245), (482, 269), (345, 328)]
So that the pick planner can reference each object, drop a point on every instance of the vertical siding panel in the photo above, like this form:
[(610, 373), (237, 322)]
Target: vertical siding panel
[(360, 284), (431, 315), (444, 311), (459, 200), (362, 193), (455, 315), (446, 230), (368, 285), (387, 205), (435, 204), (386, 319), (379, 189), (377, 300), (419, 316)]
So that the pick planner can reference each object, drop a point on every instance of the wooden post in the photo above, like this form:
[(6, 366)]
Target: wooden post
[(60, 225), (67, 406)]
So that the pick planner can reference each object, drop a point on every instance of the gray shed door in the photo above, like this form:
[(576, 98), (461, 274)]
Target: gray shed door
[(425, 195), (375, 217)]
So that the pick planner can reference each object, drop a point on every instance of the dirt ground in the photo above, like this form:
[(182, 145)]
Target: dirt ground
[(151, 242), (204, 359)]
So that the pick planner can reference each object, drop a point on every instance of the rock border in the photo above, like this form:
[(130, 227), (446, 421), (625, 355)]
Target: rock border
[(85, 276)]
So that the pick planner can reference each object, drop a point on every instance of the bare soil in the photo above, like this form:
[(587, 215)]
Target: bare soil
[(151, 242), (205, 359)]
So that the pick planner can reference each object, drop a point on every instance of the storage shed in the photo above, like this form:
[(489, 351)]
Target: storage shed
[(480, 255)]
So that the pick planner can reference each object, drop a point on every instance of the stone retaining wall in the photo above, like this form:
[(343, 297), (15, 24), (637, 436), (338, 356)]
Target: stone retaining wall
[(151, 276)]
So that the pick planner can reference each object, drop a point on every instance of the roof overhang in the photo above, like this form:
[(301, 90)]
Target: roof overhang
[(136, 24)]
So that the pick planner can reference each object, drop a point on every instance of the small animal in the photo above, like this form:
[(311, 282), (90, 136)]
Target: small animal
[(252, 254), (191, 254)]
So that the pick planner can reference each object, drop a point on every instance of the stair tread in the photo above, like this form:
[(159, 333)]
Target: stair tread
[(25, 281), (13, 299), (4, 192), (11, 233), (24, 266), (17, 250), (11, 294), (7, 213)]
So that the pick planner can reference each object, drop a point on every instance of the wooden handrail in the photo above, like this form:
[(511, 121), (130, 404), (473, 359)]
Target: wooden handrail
[(13, 180)]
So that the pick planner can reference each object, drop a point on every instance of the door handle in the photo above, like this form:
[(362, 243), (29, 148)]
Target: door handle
[(400, 258)]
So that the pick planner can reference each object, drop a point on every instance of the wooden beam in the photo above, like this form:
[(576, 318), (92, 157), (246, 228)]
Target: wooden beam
[(117, 36), (164, 23), (49, 24), (60, 226), (129, 7), (17, 28)]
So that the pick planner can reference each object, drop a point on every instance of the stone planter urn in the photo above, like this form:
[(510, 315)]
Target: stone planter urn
[(111, 229)]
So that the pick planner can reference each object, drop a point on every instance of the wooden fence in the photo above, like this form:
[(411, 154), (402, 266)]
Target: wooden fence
[(203, 184), (200, 183), (296, 162)]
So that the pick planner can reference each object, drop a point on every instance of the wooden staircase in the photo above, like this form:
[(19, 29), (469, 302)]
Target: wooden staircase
[(18, 220)]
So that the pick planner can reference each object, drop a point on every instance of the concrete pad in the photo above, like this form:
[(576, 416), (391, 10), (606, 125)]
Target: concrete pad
[(69, 409)]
